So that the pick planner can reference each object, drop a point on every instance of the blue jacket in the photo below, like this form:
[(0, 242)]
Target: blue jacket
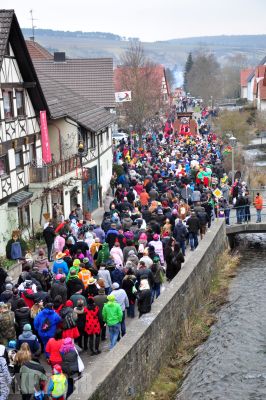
[(54, 319), (62, 265)]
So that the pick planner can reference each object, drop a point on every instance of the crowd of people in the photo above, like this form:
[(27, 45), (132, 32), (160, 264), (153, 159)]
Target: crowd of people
[(94, 277)]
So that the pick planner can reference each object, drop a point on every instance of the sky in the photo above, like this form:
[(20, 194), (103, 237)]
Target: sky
[(149, 20)]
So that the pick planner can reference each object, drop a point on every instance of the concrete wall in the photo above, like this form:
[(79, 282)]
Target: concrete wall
[(129, 368)]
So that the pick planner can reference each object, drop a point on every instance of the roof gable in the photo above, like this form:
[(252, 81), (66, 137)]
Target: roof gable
[(37, 52), (10, 32), (244, 75)]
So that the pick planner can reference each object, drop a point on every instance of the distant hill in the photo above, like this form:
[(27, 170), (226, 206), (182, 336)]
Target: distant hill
[(171, 53)]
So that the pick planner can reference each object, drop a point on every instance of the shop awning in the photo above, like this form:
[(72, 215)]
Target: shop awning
[(19, 199)]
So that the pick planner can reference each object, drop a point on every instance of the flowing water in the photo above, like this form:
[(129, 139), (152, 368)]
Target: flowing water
[(231, 364)]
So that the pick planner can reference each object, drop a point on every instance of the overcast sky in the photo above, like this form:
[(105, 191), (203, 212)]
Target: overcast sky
[(149, 20)]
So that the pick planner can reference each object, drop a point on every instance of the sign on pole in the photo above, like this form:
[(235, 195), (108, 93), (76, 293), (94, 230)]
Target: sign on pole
[(122, 97), (217, 193)]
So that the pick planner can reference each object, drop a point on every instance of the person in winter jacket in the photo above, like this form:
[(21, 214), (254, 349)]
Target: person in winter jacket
[(111, 235), (103, 254), (128, 284), (49, 235), (59, 243), (13, 301), (112, 315), (74, 284), (144, 297), (180, 234), (59, 288), (46, 323), (22, 316), (174, 259), (92, 326), (69, 363), (81, 312), (100, 299), (57, 385), (53, 347), (28, 337), (117, 254), (6, 295), (105, 275), (60, 266), (7, 324), (32, 378), (117, 276), (69, 319), (41, 261), (193, 224), (5, 377), (158, 247)]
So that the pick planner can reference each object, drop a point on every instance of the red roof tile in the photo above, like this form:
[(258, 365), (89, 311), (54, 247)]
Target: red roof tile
[(37, 52), (244, 74)]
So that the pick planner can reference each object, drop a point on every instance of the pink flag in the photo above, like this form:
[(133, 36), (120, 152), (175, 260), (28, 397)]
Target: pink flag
[(46, 151)]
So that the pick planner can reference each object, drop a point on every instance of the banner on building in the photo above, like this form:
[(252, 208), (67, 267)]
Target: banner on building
[(122, 97), (46, 151)]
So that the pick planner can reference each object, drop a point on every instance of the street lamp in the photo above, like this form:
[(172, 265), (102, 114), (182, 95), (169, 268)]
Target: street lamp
[(233, 141)]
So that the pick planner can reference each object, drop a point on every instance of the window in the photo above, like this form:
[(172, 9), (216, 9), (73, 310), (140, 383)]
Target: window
[(8, 104), (19, 159), (3, 165), (107, 135), (24, 215), (93, 140), (20, 103), (32, 153), (101, 138)]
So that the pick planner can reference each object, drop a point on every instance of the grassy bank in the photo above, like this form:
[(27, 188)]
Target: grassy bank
[(195, 331)]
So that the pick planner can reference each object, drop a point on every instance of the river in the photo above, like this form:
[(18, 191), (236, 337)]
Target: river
[(231, 364)]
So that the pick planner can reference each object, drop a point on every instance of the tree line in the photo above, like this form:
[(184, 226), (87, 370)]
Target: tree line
[(206, 78)]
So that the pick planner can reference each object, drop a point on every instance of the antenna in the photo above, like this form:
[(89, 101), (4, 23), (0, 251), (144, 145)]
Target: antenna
[(32, 25)]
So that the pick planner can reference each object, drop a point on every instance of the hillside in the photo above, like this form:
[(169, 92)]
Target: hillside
[(170, 53)]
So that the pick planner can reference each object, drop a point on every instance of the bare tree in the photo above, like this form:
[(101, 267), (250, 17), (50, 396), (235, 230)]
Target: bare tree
[(230, 74), (203, 79), (143, 78)]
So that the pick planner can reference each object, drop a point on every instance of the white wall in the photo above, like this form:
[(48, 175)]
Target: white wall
[(250, 86), (244, 92), (68, 138)]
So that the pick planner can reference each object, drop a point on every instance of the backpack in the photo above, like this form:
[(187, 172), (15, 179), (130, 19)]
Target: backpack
[(69, 322), (59, 388), (46, 325)]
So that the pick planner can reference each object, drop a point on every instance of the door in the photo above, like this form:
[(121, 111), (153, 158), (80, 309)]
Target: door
[(90, 189)]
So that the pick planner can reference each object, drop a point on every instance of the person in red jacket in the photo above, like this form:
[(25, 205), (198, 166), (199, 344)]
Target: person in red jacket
[(92, 327), (52, 349)]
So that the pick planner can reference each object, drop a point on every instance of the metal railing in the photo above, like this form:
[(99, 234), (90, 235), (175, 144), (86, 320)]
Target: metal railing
[(49, 172)]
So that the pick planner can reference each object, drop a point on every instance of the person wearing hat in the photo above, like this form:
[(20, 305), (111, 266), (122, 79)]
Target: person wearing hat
[(57, 385), (60, 266), (28, 337), (112, 316), (92, 288), (74, 284)]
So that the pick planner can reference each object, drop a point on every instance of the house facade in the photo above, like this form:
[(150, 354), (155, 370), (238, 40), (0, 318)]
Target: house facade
[(21, 100)]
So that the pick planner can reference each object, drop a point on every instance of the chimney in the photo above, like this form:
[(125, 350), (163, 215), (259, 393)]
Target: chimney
[(59, 56)]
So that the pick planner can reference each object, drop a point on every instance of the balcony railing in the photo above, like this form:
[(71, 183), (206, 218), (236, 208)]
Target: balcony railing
[(48, 173)]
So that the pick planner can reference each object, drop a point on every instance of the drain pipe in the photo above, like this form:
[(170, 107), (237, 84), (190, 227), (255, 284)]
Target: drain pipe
[(99, 173)]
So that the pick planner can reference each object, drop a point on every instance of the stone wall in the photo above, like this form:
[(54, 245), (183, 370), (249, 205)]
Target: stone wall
[(129, 368)]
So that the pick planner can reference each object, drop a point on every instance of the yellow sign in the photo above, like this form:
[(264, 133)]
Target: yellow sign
[(217, 193)]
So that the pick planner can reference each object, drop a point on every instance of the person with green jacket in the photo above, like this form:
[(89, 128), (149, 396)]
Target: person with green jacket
[(32, 376), (112, 315)]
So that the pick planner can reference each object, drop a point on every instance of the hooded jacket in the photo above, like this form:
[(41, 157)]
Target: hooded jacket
[(54, 319), (22, 317), (28, 337), (60, 266), (112, 312)]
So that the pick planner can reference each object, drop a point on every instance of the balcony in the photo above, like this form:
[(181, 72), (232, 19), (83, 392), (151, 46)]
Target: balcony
[(48, 173)]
